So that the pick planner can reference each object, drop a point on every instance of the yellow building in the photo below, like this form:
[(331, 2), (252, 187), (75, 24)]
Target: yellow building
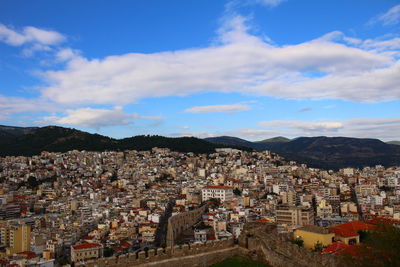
[(312, 234), (16, 238)]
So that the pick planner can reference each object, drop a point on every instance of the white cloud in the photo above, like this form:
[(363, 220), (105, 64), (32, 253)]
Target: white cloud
[(318, 127), (240, 62), (97, 118), (12, 105), (271, 3), (29, 35), (391, 17), (194, 134), (305, 109), (218, 108), (29, 51), (67, 54), (184, 127), (385, 129)]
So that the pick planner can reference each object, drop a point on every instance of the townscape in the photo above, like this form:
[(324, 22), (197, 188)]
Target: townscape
[(64, 208)]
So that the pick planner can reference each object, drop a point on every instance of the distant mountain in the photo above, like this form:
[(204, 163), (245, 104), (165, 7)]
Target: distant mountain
[(339, 152), (53, 138), (15, 130), (320, 152), (60, 139), (326, 152), (278, 139), (259, 145), (394, 143), (234, 141)]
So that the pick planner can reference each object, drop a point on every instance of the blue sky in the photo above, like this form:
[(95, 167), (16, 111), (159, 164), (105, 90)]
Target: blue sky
[(252, 68)]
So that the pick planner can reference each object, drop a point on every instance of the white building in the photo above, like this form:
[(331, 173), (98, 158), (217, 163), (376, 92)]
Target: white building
[(224, 193)]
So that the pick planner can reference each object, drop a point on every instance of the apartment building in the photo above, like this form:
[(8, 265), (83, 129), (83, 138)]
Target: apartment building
[(294, 216), (224, 193), (16, 238)]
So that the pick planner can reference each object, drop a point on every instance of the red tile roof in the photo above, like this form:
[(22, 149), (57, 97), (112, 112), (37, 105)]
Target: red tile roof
[(218, 187), (334, 247), (339, 248), (351, 228), (28, 254), (86, 246), (125, 244)]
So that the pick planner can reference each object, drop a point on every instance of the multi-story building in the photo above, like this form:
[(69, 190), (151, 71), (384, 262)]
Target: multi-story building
[(224, 193), (291, 216), (324, 210), (289, 198), (16, 238), (86, 251)]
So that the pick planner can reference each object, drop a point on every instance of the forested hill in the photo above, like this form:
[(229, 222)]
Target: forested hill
[(326, 152), (33, 141)]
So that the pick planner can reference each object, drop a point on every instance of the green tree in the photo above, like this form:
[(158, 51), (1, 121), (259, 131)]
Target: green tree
[(381, 248), (298, 241), (318, 246), (108, 252), (32, 182), (237, 192)]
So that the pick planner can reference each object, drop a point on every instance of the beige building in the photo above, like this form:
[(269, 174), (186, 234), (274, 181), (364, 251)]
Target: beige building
[(291, 215), (16, 238), (324, 210), (289, 198), (87, 251)]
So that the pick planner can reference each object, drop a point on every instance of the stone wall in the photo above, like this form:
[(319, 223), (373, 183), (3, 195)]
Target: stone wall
[(277, 250), (259, 240), (181, 222), (202, 254)]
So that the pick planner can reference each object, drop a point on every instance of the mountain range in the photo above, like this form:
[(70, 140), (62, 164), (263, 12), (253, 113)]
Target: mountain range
[(320, 152), (16, 141), (325, 152)]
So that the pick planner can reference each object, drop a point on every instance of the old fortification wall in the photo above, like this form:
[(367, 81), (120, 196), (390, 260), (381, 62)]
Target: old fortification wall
[(202, 254), (181, 222), (277, 250), (260, 240)]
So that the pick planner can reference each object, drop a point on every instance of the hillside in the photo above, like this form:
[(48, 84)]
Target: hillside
[(327, 152), (59, 139), (340, 152), (394, 143), (319, 152), (278, 139), (234, 141), (15, 130)]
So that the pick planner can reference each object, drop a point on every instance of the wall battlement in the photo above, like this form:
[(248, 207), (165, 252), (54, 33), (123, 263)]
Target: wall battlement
[(257, 239), (181, 222), (277, 250), (160, 254)]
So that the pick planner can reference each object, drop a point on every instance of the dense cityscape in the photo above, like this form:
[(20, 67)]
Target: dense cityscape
[(55, 206), (200, 133)]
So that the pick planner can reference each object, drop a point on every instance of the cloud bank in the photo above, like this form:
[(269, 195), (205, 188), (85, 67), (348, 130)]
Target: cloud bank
[(97, 118), (391, 17), (29, 34), (331, 67), (361, 127), (218, 108)]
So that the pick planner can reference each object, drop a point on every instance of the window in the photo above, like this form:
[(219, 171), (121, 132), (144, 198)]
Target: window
[(352, 241)]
